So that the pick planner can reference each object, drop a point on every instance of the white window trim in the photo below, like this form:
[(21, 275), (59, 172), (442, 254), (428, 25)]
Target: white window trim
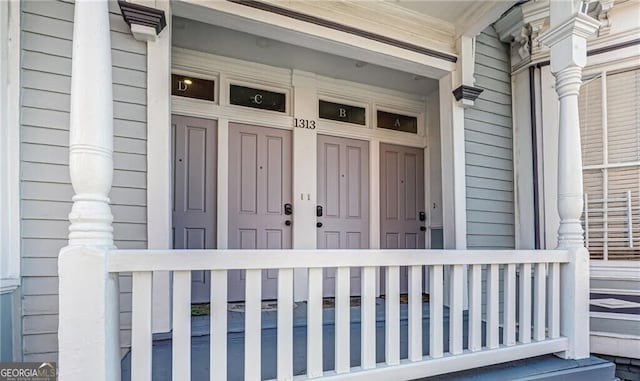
[(9, 145), (601, 74)]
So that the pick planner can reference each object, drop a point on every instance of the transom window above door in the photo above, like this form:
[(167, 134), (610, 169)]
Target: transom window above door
[(342, 112), (257, 98)]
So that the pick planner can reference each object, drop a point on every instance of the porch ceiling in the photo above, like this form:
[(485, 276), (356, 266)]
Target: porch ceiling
[(194, 35), (373, 32), (468, 17), (449, 11)]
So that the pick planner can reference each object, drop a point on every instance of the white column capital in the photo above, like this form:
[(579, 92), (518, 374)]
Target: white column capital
[(568, 41)]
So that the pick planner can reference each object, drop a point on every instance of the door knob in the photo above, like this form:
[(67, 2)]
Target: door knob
[(287, 222), (319, 224), (423, 228)]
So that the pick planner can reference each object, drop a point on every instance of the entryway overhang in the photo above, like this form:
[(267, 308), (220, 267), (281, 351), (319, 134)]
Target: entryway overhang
[(412, 40)]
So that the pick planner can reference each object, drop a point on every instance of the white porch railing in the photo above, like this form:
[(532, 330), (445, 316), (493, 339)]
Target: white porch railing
[(527, 337), (612, 226)]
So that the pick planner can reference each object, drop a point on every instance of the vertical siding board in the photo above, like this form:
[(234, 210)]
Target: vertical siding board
[(489, 149), (46, 69)]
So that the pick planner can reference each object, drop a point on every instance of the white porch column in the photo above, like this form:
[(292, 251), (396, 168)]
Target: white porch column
[(454, 204), (570, 27), (88, 321), (305, 105), (159, 206)]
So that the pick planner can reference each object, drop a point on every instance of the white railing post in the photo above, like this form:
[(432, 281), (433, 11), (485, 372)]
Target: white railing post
[(630, 218), (570, 27), (88, 294), (586, 220)]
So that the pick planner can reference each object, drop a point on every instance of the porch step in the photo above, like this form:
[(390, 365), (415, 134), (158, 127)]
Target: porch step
[(542, 368)]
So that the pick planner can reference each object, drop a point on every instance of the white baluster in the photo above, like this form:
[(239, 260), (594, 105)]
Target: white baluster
[(415, 313), (285, 324), (368, 324), (540, 303), (253, 325), (343, 317), (181, 339), (218, 323), (314, 324), (509, 304), (455, 309), (554, 301), (493, 308), (392, 313), (586, 220), (475, 308), (630, 219), (525, 303), (141, 334), (435, 311)]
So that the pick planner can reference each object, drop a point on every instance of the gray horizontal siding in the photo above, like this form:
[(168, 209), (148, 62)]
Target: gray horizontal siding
[(46, 38), (7, 308), (488, 148)]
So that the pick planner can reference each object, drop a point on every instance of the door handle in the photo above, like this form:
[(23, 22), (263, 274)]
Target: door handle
[(288, 209), (319, 211), (318, 224), (287, 222), (423, 228)]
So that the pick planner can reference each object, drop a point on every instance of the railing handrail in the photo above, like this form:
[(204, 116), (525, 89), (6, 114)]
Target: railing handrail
[(183, 260)]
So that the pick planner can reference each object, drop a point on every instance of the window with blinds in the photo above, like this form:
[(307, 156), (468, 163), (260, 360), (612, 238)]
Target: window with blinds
[(623, 118), (590, 106), (610, 135)]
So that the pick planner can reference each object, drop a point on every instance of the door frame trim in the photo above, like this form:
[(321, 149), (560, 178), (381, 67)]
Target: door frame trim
[(227, 70)]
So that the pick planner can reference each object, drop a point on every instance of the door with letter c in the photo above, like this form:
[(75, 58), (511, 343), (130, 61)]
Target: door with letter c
[(260, 216)]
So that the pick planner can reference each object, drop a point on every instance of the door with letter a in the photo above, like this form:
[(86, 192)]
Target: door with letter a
[(343, 201), (260, 214), (402, 215), (194, 197)]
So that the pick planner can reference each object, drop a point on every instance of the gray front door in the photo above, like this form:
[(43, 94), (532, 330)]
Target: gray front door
[(194, 198), (402, 200), (343, 195), (259, 187)]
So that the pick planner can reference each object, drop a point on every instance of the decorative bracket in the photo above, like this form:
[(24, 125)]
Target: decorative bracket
[(146, 23), (467, 93), (604, 8)]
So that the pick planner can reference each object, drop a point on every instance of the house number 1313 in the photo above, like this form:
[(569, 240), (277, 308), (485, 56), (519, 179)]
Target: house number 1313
[(304, 123)]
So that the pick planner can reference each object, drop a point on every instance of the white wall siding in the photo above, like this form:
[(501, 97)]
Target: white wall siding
[(489, 152), (47, 29)]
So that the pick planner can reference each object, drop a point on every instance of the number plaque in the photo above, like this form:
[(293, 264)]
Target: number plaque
[(304, 123)]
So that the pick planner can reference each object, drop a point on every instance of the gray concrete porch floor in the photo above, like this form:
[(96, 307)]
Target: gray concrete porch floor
[(235, 347)]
